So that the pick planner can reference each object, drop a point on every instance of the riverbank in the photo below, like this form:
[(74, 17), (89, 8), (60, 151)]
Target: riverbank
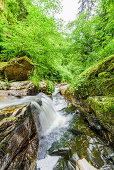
[(93, 96)]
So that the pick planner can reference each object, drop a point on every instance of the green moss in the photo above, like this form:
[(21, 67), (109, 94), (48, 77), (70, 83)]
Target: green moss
[(2, 64), (24, 58), (104, 75), (106, 64), (96, 81), (11, 118), (104, 109)]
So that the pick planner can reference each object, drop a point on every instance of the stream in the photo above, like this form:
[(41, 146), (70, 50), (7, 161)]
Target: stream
[(60, 147), (64, 136)]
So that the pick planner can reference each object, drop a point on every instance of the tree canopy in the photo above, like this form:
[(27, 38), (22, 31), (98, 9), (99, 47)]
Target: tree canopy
[(29, 28)]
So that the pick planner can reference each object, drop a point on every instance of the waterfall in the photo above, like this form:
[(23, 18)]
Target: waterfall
[(43, 110), (48, 117)]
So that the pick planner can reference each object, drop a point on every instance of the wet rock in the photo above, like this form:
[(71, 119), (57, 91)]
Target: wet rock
[(102, 109), (43, 86), (17, 69), (70, 109), (26, 159), (39, 102), (109, 157), (17, 89), (64, 152), (76, 132), (63, 88), (71, 166), (75, 157), (18, 139), (106, 167)]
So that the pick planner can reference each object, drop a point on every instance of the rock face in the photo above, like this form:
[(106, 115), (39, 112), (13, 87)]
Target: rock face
[(18, 139), (17, 69), (17, 89), (94, 98)]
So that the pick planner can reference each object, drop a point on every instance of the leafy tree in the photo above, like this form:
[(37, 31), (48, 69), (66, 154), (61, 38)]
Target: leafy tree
[(34, 35)]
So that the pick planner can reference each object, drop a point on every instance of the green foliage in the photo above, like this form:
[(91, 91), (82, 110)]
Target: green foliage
[(28, 28), (35, 35), (91, 38), (50, 86), (34, 77), (96, 80)]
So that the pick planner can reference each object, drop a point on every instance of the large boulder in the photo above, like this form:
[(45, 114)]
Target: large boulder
[(17, 69), (97, 81), (18, 138)]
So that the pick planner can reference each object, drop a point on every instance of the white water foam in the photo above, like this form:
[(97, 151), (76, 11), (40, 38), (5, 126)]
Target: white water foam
[(49, 118), (48, 163), (46, 112)]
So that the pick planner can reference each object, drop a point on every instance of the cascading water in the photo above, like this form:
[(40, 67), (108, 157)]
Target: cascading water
[(43, 111), (49, 118)]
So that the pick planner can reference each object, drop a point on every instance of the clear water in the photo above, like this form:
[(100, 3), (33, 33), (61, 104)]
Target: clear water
[(54, 121)]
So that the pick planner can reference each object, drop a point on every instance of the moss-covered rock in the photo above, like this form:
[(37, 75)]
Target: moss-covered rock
[(97, 111), (103, 110), (2, 66), (98, 80), (17, 69)]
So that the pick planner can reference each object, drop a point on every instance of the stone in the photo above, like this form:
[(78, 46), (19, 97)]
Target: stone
[(63, 88), (18, 138), (17, 89), (43, 86), (76, 132), (64, 152), (17, 69)]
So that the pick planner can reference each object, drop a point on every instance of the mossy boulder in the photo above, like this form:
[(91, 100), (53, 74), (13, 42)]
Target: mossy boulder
[(97, 81), (102, 108), (17, 69)]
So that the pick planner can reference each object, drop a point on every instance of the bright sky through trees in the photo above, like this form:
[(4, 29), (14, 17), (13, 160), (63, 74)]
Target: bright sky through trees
[(69, 11)]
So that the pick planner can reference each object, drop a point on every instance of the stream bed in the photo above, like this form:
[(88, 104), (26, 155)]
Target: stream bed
[(59, 148), (64, 136)]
